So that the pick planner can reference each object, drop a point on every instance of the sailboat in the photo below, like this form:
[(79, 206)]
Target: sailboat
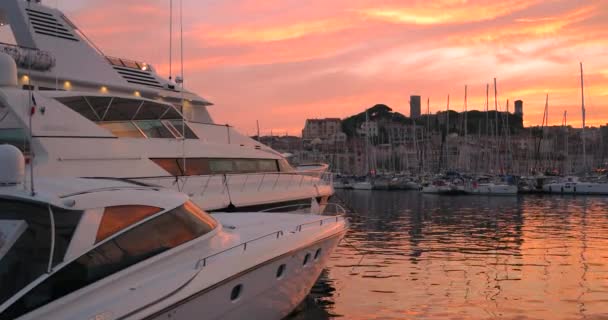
[(365, 183), (575, 185)]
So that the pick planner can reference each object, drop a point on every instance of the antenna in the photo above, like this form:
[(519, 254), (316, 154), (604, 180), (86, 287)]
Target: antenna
[(171, 41), (31, 109), (465, 113), (181, 80), (447, 135), (257, 123), (57, 35)]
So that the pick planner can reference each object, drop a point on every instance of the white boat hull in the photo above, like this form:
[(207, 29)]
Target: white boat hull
[(363, 186), (263, 295), (581, 188), (492, 189)]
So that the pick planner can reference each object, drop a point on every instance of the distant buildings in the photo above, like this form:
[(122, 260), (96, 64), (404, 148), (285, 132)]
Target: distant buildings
[(369, 128), (388, 141), (414, 107), (321, 128), (519, 108)]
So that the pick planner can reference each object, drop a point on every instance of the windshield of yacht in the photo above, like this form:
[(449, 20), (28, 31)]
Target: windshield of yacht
[(25, 242), (121, 250)]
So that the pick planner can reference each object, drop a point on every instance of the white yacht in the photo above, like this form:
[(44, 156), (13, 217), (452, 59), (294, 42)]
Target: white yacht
[(96, 248), (575, 185), (489, 186), (363, 185), (91, 115)]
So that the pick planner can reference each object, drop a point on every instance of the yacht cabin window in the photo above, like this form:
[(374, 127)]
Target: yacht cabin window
[(128, 116), (123, 129), (153, 129), (99, 105), (26, 257), (221, 165), (152, 237), (117, 218), (122, 109), (206, 166), (181, 129)]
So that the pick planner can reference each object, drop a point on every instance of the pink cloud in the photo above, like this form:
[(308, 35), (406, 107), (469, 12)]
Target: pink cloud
[(282, 61)]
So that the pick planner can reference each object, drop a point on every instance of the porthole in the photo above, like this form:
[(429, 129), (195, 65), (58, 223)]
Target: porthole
[(306, 258), (280, 271), (317, 253), (236, 292)]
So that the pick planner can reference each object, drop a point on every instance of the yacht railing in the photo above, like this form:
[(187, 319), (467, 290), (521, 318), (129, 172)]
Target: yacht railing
[(339, 209), (29, 58), (201, 263), (265, 179)]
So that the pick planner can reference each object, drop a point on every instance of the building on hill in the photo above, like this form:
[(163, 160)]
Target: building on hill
[(414, 107), (519, 108), (324, 129)]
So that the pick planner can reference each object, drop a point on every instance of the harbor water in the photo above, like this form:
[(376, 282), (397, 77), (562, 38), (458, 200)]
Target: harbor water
[(419, 256)]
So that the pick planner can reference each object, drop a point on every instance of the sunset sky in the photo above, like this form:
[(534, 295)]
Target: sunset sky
[(282, 61)]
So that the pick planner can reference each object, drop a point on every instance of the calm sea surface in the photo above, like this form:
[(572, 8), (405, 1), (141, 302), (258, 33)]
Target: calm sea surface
[(417, 256)]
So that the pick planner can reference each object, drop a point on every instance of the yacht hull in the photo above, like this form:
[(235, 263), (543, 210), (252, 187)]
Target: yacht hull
[(491, 189), (589, 188), (263, 294), (363, 186)]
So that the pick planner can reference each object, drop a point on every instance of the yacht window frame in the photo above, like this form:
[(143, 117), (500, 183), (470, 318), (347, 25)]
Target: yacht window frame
[(138, 109), (111, 277), (187, 130), (107, 108), (172, 128), (57, 252), (100, 124), (143, 132), (91, 106)]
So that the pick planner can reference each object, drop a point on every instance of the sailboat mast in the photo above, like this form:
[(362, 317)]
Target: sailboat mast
[(366, 143), (487, 137), (583, 113), (565, 132), (465, 114), (496, 125), (447, 133)]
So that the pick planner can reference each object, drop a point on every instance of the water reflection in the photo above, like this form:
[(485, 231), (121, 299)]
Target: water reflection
[(429, 256)]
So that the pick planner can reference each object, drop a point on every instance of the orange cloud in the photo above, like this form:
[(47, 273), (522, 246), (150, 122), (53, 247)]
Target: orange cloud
[(248, 34), (282, 61), (445, 12), (527, 28)]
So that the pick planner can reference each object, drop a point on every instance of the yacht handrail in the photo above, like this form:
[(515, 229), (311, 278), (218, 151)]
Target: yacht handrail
[(341, 209), (115, 188), (201, 263), (326, 177)]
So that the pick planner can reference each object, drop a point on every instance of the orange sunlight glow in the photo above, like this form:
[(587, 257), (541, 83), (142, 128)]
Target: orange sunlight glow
[(444, 12), (282, 62)]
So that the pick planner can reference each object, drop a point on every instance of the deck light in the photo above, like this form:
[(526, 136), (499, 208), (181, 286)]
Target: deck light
[(144, 67), (67, 85), (103, 89), (137, 94), (25, 78)]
